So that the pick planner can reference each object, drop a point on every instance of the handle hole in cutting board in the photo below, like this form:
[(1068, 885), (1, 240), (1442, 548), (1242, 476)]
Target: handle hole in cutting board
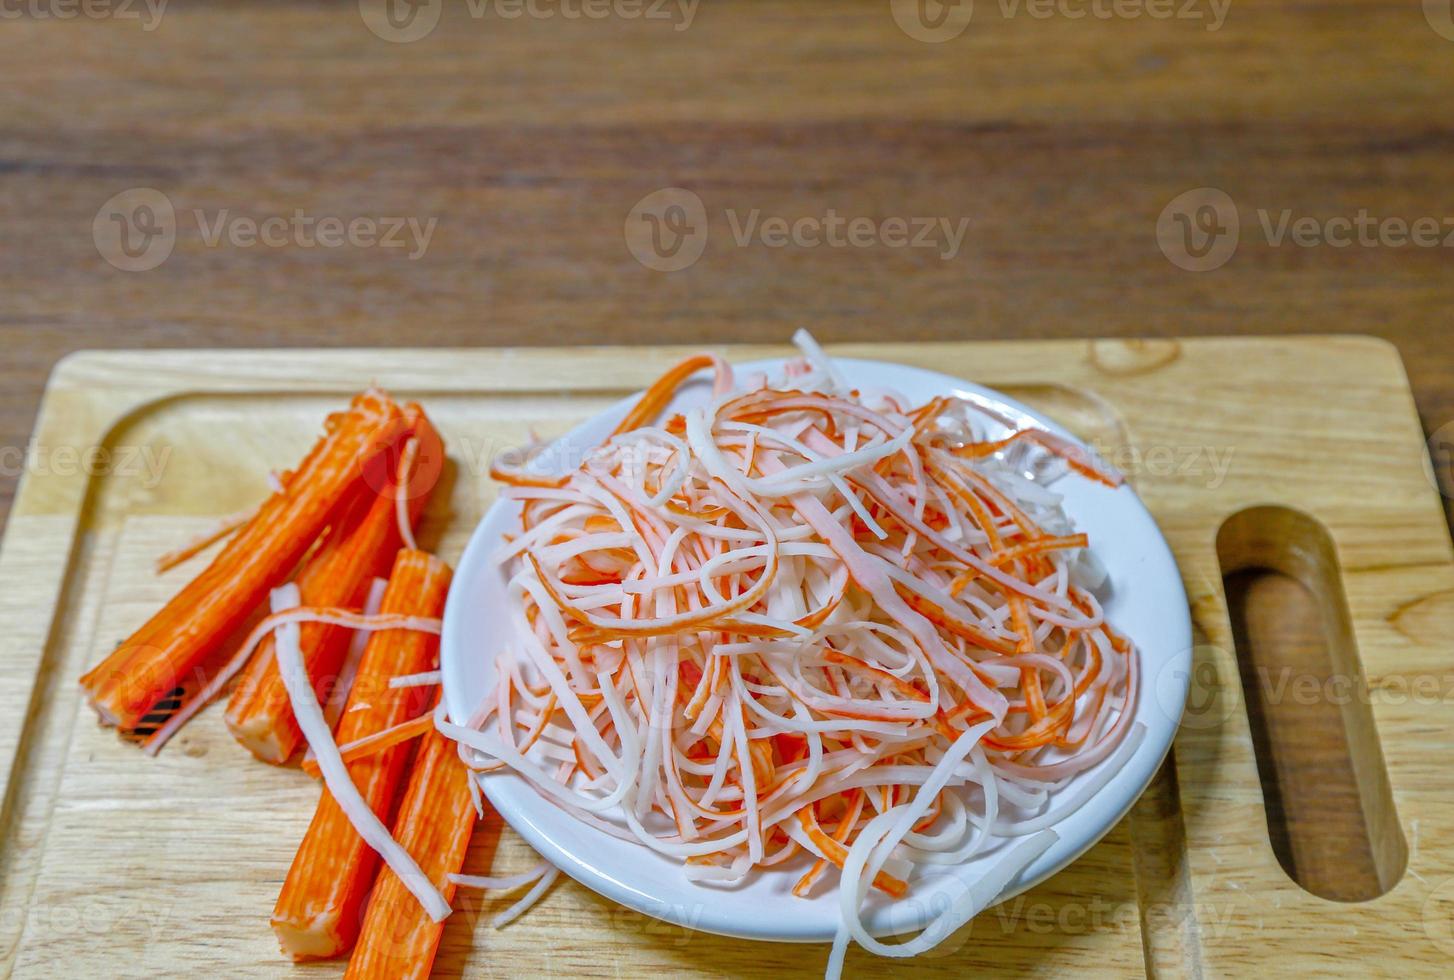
[(1330, 810)]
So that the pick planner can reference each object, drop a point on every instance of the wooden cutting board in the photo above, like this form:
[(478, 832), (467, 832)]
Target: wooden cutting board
[(114, 864)]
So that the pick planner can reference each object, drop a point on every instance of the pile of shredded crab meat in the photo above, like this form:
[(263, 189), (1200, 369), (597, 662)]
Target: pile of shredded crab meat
[(809, 630)]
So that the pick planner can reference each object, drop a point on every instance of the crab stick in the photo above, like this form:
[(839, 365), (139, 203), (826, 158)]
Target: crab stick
[(362, 546), (436, 818), (321, 906), (659, 395), (176, 642), (377, 742)]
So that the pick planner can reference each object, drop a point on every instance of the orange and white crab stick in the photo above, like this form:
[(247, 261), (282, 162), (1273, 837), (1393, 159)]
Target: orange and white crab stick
[(399, 938), (362, 546), (175, 642), (321, 906)]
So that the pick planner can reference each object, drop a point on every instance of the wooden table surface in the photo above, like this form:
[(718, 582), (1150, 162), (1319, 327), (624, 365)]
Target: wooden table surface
[(531, 138)]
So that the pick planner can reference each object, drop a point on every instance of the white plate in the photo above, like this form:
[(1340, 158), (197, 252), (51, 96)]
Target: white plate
[(1144, 599)]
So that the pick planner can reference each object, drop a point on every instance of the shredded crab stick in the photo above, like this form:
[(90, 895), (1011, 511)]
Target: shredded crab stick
[(810, 630), (202, 542), (338, 697), (434, 824), (377, 742), (177, 641), (322, 901), (362, 545)]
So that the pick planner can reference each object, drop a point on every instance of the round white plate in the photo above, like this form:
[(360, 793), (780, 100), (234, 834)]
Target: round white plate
[(1143, 598)]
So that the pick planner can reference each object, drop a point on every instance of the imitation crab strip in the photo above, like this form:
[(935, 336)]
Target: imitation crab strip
[(223, 529), (390, 647), (321, 904), (399, 939), (656, 398), (178, 640), (805, 618), (373, 744), (362, 545)]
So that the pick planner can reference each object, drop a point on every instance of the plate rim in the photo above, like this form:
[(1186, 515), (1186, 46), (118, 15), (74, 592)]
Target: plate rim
[(1166, 686)]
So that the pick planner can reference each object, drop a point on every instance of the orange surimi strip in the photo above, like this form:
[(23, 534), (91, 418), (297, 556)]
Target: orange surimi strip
[(660, 393), (434, 824), (337, 575), (361, 547), (837, 853), (321, 905), (178, 640), (846, 826), (377, 742), (202, 542), (880, 676)]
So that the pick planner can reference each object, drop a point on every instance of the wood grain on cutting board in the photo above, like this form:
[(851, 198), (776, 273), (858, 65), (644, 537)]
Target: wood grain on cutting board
[(113, 862)]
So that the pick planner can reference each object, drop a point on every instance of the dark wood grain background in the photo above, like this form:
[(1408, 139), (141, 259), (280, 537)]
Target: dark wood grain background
[(530, 139)]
